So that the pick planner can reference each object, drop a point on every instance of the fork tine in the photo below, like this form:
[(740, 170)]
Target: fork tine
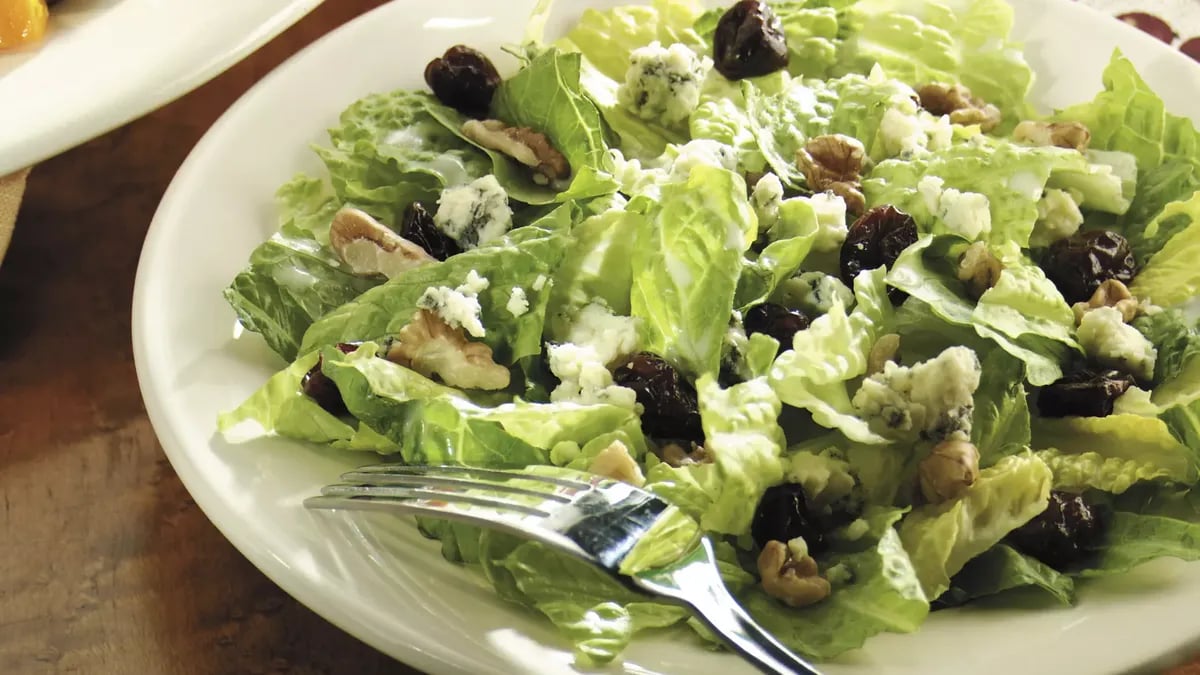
[(409, 479), (398, 494), (486, 474)]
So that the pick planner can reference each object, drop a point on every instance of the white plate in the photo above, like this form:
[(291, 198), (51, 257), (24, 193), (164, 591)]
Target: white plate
[(383, 582), (105, 62)]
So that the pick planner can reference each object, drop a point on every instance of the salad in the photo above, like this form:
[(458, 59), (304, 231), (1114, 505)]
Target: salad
[(814, 271)]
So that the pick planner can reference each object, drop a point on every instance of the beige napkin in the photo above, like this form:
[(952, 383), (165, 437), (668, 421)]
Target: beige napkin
[(11, 189)]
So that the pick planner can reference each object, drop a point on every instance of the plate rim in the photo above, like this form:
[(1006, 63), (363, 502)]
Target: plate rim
[(174, 447)]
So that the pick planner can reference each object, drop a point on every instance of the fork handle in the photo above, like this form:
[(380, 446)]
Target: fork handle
[(700, 588)]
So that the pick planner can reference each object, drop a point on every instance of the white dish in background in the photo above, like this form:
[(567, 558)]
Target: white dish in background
[(106, 62), (377, 577)]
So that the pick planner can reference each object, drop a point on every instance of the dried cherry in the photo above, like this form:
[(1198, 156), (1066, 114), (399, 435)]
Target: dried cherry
[(1080, 263), (464, 79), (670, 406), (749, 41)]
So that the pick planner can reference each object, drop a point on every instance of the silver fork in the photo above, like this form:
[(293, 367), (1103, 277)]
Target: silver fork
[(594, 518)]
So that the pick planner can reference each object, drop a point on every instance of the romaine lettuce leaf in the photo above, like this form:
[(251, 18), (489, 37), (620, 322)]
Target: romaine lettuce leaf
[(515, 261), (1002, 568), (433, 423), (1132, 539), (1176, 337), (1171, 276), (686, 265), (832, 351), (1000, 425), (389, 151), (1091, 470), (882, 594), (743, 437), (607, 37), (1145, 440), (923, 41), (941, 538), (547, 95), (792, 239), (281, 408), (594, 266), (925, 271)]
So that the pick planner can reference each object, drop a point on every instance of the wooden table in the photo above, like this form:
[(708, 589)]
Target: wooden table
[(106, 564)]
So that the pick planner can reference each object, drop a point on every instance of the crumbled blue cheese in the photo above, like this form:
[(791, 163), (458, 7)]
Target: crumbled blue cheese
[(611, 336), (903, 134), (700, 152), (540, 282), (814, 293), (1109, 341), (474, 214), (933, 399), (458, 307), (518, 304), (585, 378), (967, 214), (825, 476), (1058, 217), (663, 84), (831, 221), (766, 197)]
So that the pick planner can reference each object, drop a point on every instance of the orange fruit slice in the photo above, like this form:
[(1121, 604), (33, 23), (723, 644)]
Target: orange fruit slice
[(22, 22)]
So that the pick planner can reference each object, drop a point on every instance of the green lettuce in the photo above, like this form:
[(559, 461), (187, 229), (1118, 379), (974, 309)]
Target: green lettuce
[(1176, 337), (686, 266), (595, 266), (435, 424), (1171, 275), (925, 271), (881, 594), (281, 408), (1091, 470), (745, 441), (832, 351), (941, 538), (1148, 441), (1001, 423), (923, 41), (389, 151), (1131, 539), (607, 37), (517, 261), (792, 239), (1003, 568)]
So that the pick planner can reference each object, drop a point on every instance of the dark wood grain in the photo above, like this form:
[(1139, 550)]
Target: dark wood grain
[(106, 564)]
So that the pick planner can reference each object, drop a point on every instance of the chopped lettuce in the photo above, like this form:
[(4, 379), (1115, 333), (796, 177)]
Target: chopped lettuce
[(942, 538), (1145, 440), (882, 594), (686, 266), (1171, 275), (1132, 539), (1003, 568), (1091, 470)]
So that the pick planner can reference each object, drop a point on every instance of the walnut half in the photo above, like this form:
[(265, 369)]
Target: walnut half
[(957, 102), (431, 347), (369, 248), (1072, 135), (1111, 293), (523, 144), (834, 163), (795, 581), (674, 454), (948, 470), (979, 269)]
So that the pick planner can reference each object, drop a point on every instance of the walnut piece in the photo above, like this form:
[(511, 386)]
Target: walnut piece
[(949, 469), (834, 163), (523, 144), (795, 581), (957, 102), (884, 350), (979, 269), (369, 248), (674, 454), (616, 463), (1111, 293), (431, 347), (1071, 135)]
